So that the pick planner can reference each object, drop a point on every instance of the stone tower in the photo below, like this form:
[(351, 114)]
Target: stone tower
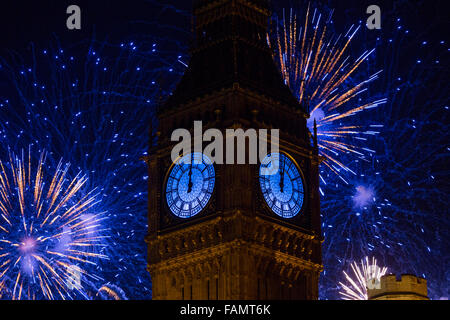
[(408, 287), (236, 246)]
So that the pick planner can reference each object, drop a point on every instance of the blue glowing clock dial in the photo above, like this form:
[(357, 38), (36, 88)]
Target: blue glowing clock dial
[(190, 185), (283, 188)]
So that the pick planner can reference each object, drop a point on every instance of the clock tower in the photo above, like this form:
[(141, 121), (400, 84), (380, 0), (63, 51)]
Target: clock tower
[(227, 231)]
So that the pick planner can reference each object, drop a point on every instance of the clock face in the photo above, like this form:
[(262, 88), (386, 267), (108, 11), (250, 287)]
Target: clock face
[(190, 185), (283, 188)]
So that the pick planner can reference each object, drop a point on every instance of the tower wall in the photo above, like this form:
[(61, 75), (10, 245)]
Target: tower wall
[(234, 257), (408, 287)]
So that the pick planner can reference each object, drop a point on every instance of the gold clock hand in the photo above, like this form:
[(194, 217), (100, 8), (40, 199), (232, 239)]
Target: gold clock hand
[(190, 176), (282, 176)]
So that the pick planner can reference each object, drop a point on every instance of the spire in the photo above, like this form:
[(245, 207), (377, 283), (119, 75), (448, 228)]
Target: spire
[(218, 20), (315, 135), (230, 47)]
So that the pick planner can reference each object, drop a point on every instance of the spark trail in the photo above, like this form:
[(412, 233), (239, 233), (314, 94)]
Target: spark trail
[(51, 234), (322, 73)]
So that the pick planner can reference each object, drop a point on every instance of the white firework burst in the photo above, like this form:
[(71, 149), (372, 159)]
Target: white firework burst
[(363, 273)]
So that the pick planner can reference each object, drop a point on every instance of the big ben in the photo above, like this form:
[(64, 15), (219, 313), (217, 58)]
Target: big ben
[(228, 231)]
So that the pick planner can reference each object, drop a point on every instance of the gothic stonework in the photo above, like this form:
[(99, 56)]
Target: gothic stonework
[(248, 258), (407, 287), (236, 247)]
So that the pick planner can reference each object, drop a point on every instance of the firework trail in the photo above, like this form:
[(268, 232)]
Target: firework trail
[(319, 67), (321, 72), (393, 204), (93, 103), (111, 292), (51, 235), (356, 288), (412, 156)]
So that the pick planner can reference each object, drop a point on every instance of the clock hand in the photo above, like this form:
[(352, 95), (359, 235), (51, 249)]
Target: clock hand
[(190, 176), (282, 177)]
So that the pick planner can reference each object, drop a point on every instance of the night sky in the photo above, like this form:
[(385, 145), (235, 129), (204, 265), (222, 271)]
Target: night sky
[(23, 21), (412, 146)]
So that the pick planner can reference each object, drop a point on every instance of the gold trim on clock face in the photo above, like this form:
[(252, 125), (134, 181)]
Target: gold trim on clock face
[(189, 185), (283, 189)]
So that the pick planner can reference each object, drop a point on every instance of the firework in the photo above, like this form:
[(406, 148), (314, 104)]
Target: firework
[(323, 75), (383, 193), (111, 292), (393, 206), (50, 233), (356, 289), (93, 104)]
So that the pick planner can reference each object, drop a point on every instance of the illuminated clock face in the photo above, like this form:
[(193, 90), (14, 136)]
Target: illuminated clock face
[(283, 188), (190, 185)]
